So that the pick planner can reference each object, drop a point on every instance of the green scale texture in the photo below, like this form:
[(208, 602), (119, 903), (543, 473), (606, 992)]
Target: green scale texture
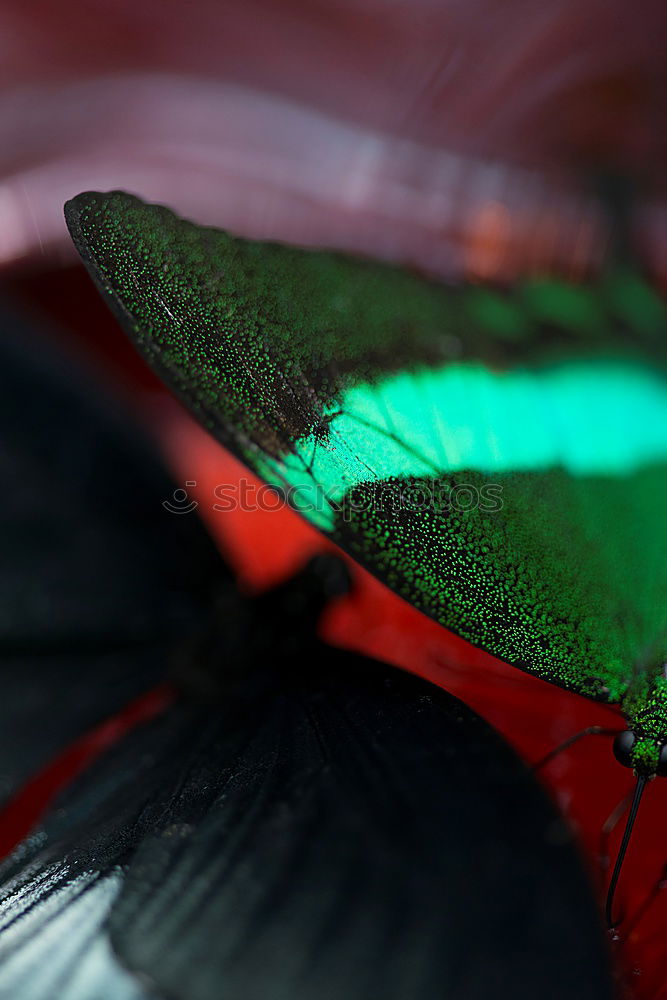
[(354, 378)]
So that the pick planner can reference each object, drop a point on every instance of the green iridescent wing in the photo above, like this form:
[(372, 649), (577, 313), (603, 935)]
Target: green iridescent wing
[(499, 460)]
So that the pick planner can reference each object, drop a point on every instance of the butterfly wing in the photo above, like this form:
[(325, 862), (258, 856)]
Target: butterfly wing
[(97, 580), (345, 832), (498, 460)]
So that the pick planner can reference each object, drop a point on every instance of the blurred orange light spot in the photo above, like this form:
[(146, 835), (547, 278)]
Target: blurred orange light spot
[(488, 250)]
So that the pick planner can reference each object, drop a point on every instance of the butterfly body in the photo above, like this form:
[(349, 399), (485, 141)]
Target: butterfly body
[(497, 459)]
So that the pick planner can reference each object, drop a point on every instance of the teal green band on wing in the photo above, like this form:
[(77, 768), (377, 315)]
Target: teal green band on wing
[(587, 418)]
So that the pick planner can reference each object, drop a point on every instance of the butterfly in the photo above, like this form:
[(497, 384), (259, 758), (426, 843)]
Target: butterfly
[(297, 820), (498, 458)]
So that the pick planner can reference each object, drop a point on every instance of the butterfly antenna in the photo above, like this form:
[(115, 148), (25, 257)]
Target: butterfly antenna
[(620, 857)]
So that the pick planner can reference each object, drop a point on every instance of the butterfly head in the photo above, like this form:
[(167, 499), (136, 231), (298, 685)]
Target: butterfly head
[(643, 746), (645, 755)]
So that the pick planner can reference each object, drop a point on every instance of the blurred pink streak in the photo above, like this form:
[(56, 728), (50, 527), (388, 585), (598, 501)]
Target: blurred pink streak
[(392, 128)]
